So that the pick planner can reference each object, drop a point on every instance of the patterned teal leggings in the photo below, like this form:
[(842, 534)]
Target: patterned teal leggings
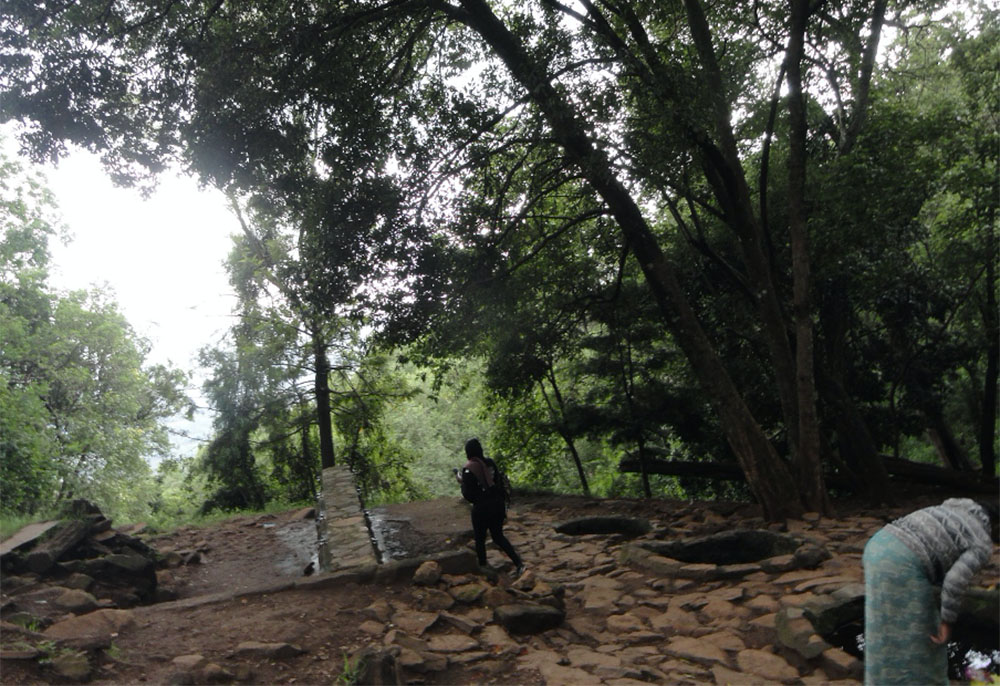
[(901, 614)]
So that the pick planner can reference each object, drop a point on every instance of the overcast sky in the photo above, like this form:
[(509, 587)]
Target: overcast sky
[(162, 256)]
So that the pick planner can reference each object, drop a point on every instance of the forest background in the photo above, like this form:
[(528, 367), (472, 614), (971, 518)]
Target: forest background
[(612, 240)]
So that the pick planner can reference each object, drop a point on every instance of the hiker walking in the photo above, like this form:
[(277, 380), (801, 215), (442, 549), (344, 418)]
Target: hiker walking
[(485, 486)]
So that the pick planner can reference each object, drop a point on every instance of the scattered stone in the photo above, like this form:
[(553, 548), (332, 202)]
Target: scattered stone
[(451, 643), (377, 667), (76, 601), (20, 652), (415, 622), (92, 630), (378, 610), (694, 650), (78, 581), (523, 618), (496, 639), (269, 650), (435, 600), (829, 612), (625, 623), (589, 659), (189, 662), (468, 593), (372, 627), (727, 677), (839, 664), (215, 674), (601, 593), (404, 640), (767, 665), (463, 624), (725, 640), (495, 597), (797, 633), (427, 574), (71, 664)]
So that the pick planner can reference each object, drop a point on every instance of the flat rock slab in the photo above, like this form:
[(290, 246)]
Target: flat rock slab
[(25, 535), (626, 526), (92, 630)]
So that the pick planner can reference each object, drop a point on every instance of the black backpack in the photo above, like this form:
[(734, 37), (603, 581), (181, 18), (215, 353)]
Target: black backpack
[(474, 492)]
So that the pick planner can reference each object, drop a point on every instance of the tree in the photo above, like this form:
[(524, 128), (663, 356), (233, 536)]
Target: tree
[(633, 105), (80, 410)]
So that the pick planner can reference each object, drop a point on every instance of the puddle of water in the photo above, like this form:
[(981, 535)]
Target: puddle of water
[(302, 542), (385, 536), (968, 656)]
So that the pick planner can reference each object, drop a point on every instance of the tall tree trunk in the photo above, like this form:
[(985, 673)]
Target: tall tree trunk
[(558, 414), (322, 390), (808, 465), (767, 475), (724, 172), (991, 325), (307, 456)]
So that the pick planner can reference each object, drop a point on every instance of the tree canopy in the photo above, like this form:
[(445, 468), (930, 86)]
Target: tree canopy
[(81, 411), (658, 224)]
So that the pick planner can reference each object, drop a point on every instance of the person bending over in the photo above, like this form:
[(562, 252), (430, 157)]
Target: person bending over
[(906, 629)]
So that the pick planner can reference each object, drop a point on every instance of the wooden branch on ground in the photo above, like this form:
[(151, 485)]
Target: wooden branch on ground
[(898, 468)]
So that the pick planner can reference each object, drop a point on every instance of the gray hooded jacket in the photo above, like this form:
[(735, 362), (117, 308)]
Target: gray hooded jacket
[(953, 541)]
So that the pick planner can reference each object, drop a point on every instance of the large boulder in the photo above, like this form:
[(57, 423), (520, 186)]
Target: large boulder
[(524, 618)]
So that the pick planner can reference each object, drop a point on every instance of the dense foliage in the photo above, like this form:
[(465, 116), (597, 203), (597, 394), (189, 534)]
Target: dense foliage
[(80, 410), (762, 234)]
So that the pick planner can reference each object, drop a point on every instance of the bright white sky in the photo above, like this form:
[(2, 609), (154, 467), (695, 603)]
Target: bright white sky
[(162, 257)]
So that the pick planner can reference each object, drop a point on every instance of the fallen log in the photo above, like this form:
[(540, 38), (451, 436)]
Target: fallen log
[(898, 468)]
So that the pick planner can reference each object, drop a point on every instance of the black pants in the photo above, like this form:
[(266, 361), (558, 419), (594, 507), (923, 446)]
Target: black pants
[(488, 515)]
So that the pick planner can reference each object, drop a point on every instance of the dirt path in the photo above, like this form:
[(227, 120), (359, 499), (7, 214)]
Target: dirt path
[(239, 591)]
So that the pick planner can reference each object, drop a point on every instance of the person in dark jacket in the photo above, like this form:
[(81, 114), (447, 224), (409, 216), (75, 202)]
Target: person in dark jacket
[(479, 478), (906, 628)]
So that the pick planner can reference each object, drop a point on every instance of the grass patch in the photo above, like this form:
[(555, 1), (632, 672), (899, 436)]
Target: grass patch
[(10, 524)]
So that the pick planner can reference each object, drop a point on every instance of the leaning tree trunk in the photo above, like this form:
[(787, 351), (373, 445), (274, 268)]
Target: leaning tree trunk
[(767, 475), (558, 414)]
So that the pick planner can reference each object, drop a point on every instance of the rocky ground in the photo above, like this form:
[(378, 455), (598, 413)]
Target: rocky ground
[(248, 611)]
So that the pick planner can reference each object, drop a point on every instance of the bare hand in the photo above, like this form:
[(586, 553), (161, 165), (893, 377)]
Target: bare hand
[(943, 633)]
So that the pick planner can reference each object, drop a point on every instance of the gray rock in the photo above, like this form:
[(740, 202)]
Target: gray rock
[(76, 601), (626, 526), (797, 633), (92, 630), (523, 618), (468, 593), (427, 574), (79, 581), (739, 546), (829, 612), (71, 664), (378, 666), (269, 650), (811, 555)]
